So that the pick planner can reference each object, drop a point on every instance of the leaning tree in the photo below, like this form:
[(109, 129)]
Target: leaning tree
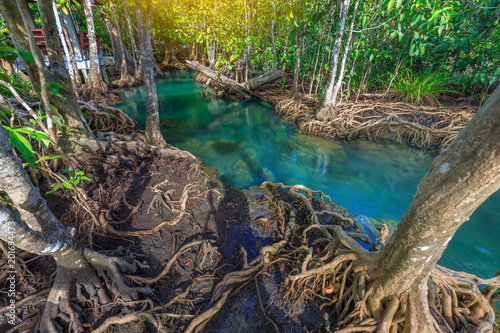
[(40, 232), (400, 286)]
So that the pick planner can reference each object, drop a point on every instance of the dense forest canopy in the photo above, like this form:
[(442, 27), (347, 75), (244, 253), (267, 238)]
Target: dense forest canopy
[(454, 39)]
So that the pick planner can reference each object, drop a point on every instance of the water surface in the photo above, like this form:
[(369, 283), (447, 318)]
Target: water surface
[(248, 144)]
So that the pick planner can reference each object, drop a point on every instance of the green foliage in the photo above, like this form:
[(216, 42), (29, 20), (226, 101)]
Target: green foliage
[(422, 87), (70, 181), (24, 147)]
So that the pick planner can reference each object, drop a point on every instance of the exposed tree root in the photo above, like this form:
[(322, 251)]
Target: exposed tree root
[(423, 126), (345, 274), (105, 118), (96, 278)]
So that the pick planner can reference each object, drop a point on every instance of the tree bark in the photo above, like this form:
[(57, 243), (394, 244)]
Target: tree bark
[(95, 85), (298, 51), (327, 111), (153, 133), (346, 52), (459, 180)]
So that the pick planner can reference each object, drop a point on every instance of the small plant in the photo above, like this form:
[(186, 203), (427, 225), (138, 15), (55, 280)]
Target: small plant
[(421, 88), (74, 179)]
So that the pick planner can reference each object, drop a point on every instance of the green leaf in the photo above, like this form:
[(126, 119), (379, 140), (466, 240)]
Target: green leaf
[(422, 49), (484, 78), (68, 186), (69, 171), (54, 187), (86, 178), (390, 5), (28, 57), (55, 86), (48, 157), (23, 146)]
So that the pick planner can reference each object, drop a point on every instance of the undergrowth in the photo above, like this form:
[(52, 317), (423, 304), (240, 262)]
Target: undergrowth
[(421, 88)]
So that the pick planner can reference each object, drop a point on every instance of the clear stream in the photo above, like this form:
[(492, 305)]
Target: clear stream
[(248, 144)]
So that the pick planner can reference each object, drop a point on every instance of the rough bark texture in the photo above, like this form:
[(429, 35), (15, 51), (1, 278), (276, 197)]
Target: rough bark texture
[(122, 60), (460, 179), (153, 133), (95, 85), (327, 111), (67, 107)]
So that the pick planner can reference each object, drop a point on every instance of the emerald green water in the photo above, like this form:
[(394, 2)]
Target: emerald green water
[(248, 144)]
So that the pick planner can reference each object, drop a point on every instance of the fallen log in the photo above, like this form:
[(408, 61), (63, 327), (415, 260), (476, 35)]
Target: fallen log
[(218, 77), (244, 89), (258, 81)]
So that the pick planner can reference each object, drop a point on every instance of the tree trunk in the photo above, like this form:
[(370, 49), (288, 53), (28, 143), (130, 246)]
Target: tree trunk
[(40, 62), (275, 58), (328, 111), (459, 180), (149, 38), (95, 85), (398, 287), (131, 35), (66, 107), (153, 133), (121, 59), (344, 56), (317, 58), (42, 233), (296, 72)]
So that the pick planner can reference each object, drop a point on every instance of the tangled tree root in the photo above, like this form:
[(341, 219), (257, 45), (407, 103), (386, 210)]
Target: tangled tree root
[(343, 274), (422, 126), (105, 118), (96, 277)]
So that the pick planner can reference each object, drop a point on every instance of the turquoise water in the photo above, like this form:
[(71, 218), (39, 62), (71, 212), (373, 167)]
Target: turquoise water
[(248, 144)]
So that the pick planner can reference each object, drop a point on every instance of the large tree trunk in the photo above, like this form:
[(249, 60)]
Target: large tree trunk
[(66, 107), (153, 133), (399, 287), (95, 86), (460, 179), (328, 109)]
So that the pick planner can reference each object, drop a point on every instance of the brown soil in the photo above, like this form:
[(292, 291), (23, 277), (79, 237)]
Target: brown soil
[(155, 231)]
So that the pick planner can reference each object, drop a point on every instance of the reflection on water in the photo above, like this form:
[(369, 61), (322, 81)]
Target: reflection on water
[(248, 144)]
